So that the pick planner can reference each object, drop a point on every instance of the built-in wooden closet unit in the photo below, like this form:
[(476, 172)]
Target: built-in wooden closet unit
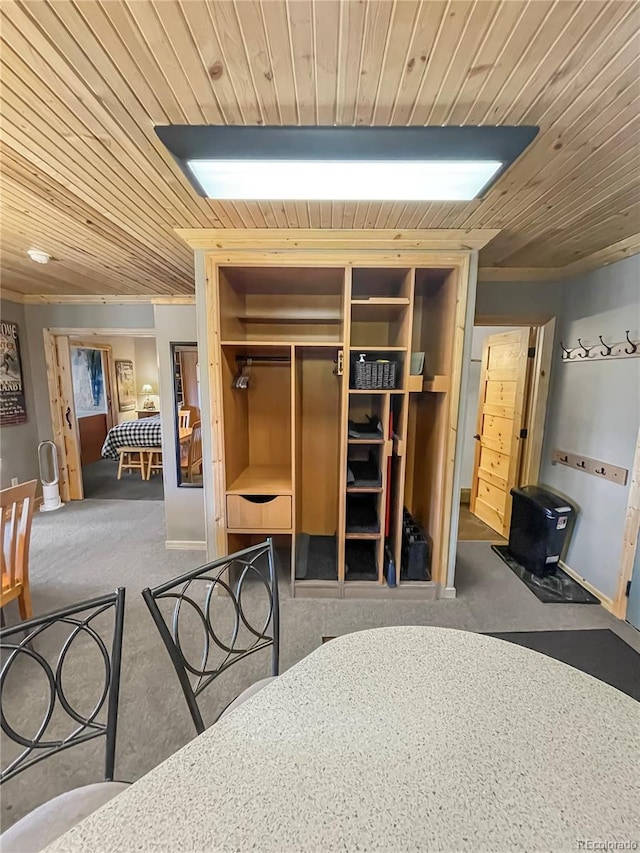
[(292, 452)]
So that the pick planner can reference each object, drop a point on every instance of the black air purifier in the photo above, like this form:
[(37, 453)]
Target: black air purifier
[(540, 523)]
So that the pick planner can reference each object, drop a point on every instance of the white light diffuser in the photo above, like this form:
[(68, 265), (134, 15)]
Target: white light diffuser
[(342, 180)]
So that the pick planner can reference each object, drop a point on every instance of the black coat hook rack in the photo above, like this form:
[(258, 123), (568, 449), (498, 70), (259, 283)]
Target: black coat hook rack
[(586, 351)]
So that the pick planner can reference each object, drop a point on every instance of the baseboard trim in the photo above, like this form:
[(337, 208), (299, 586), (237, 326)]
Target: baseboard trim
[(606, 602), (448, 592), (185, 545), (465, 496)]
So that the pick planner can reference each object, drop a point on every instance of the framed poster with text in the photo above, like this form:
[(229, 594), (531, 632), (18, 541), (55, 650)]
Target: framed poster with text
[(12, 404)]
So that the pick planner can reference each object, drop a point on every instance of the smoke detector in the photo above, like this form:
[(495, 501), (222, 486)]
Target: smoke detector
[(39, 257)]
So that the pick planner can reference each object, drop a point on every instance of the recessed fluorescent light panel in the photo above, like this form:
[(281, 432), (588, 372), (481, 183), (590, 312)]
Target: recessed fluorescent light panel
[(344, 164)]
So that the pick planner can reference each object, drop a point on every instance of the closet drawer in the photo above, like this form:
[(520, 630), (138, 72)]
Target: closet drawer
[(259, 512)]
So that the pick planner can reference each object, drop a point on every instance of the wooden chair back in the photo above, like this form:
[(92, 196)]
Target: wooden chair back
[(16, 514), (195, 448), (184, 418)]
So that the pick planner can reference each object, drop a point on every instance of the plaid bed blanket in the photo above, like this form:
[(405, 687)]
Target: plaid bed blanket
[(145, 432)]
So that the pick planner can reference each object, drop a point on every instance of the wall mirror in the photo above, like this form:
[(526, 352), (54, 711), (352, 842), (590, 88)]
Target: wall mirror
[(186, 401)]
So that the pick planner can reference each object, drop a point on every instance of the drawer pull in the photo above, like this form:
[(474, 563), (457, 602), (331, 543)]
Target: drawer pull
[(259, 499)]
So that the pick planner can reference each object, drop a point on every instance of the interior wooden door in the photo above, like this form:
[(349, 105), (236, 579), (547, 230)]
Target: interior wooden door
[(501, 415), (68, 420)]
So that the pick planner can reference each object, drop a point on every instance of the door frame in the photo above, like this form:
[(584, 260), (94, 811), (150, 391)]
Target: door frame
[(109, 372), (630, 539), (83, 336), (544, 326), (524, 337)]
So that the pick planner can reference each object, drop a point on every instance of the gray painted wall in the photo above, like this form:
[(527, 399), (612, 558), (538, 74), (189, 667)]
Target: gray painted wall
[(519, 297), (594, 409), (19, 443), (41, 317), (184, 506)]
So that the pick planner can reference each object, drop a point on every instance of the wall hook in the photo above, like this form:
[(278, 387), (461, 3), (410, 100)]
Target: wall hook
[(601, 471), (586, 350), (566, 353), (634, 347), (564, 458), (581, 464), (607, 349)]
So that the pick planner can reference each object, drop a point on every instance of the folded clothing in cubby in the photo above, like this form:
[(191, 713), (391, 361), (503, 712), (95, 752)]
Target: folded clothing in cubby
[(372, 429), (362, 516), (363, 473)]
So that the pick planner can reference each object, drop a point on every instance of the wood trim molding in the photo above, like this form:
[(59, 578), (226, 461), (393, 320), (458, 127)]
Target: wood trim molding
[(630, 539), (12, 296), (512, 319), (58, 299), (269, 239), (78, 332), (606, 602), (265, 239), (185, 545), (603, 257)]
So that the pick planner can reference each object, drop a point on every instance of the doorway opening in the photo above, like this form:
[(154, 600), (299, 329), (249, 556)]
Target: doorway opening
[(104, 392), (504, 425)]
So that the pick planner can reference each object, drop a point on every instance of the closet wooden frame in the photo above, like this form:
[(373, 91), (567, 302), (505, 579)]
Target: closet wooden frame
[(449, 255)]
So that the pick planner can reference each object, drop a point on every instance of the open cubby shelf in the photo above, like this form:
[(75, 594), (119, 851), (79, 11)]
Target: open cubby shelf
[(262, 480)]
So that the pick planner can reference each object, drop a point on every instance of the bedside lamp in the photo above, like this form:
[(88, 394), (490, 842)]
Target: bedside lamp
[(147, 389)]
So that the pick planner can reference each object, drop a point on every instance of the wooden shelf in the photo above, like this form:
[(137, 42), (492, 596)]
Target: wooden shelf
[(389, 301), (363, 490), (246, 343), (371, 536), (262, 480), (284, 344), (273, 319), (365, 441), (373, 349), (376, 391)]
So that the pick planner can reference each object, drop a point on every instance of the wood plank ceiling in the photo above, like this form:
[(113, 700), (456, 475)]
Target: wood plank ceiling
[(85, 179)]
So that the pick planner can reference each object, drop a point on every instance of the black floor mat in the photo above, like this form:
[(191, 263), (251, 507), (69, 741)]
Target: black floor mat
[(599, 652), (360, 560), (557, 588), (317, 558)]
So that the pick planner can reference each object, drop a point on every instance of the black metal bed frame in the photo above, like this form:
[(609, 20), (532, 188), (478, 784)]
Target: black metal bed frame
[(217, 575), (37, 748)]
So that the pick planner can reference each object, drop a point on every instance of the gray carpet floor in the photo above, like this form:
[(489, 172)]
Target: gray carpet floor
[(100, 482), (89, 548)]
